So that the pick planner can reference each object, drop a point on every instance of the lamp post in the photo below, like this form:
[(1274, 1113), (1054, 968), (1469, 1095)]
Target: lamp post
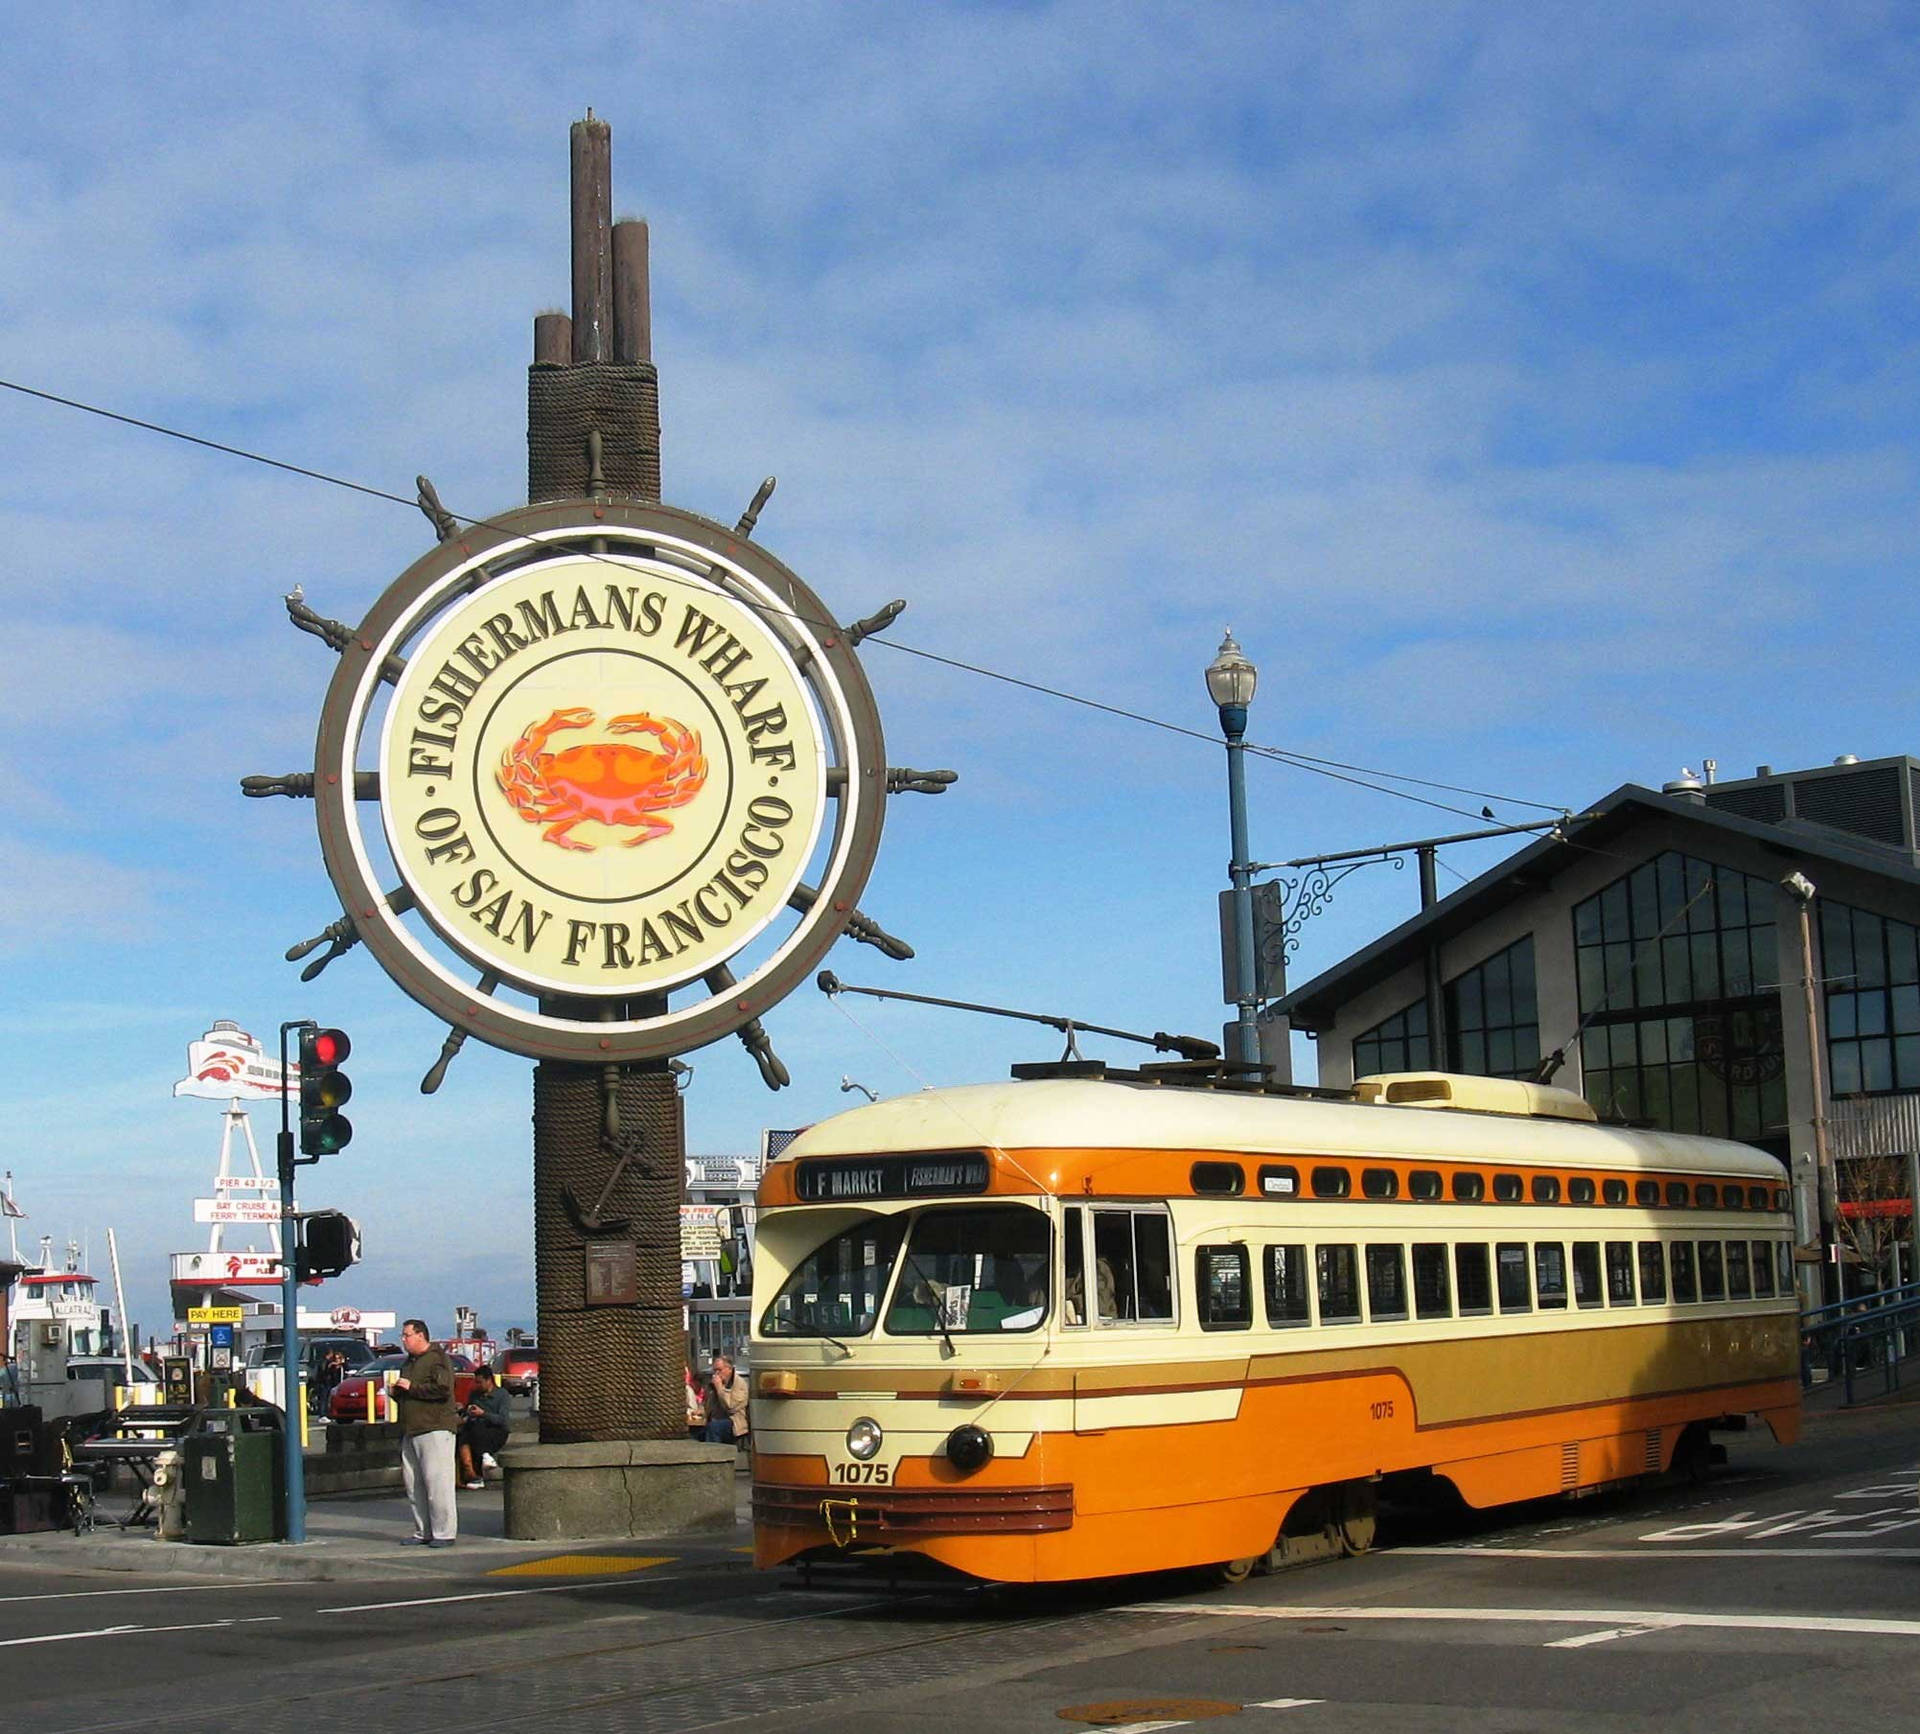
[(1231, 679)]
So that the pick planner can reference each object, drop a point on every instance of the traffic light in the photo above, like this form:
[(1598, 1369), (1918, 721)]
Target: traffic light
[(324, 1090), (329, 1244)]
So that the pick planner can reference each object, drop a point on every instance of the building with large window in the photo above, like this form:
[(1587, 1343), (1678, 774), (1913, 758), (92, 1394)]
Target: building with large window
[(1650, 956)]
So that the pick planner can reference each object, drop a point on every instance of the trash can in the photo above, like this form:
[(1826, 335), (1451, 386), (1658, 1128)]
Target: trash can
[(234, 1490)]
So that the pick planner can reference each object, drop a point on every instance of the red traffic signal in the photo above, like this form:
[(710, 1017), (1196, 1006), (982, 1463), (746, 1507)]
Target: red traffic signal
[(324, 1088), (324, 1048)]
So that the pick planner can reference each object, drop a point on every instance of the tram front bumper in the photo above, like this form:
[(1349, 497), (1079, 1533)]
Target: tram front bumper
[(879, 1515)]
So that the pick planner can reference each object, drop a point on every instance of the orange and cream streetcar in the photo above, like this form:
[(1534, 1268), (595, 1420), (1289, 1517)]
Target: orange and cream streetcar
[(1093, 1322)]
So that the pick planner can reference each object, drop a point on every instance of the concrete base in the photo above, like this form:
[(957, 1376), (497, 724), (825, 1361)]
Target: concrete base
[(633, 1487)]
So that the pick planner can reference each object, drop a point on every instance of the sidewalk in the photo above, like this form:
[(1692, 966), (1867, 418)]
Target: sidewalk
[(360, 1537)]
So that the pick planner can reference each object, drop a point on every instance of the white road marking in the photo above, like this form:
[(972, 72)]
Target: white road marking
[(1643, 1555), (136, 1631), (1660, 1620), (1606, 1637), (1285, 1703), (1143, 1727), (159, 1589), (470, 1596)]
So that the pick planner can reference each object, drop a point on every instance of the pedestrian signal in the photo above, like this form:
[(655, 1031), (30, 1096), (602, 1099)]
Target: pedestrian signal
[(329, 1244), (324, 1091)]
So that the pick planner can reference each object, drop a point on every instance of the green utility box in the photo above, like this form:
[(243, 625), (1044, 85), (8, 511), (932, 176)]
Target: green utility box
[(234, 1486)]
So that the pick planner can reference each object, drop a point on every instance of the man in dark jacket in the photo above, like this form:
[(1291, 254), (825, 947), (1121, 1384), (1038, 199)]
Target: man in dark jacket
[(423, 1394), (484, 1432)]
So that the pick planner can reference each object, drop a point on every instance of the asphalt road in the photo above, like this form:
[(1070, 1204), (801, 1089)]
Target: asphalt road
[(1783, 1594)]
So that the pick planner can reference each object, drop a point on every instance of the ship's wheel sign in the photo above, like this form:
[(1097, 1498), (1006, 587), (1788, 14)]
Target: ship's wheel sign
[(601, 780), (629, 779)]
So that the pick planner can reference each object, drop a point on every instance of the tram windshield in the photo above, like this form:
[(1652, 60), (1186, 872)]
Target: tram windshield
[(836, 1289), (972, 1269)]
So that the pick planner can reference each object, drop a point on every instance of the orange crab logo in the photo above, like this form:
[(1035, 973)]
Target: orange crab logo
[(607, 781)]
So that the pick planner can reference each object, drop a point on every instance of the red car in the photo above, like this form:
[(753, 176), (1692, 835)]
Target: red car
[(519, 1369), (349, 1399)]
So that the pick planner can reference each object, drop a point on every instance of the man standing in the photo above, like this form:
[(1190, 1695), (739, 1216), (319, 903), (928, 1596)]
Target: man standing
[(428, 1420)]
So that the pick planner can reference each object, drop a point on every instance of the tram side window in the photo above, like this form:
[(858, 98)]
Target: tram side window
[(1546, 1190), (1646, 1192), (1423, 1183), (1473, 1277), (1614, 1191), (1507, 1188), (1580, 1190), (1653, 1273), (1762, 1269), (1678, 1193), (1756, 1198), (1706, 1195), (1550, 1272), (1713, 1273), (1468, 1187), (1386, 1282), (1338, 1271), (1432, 1298), (1620, 1273), (1331, 1182), (1783, 1267), (1586, 1273), (1379, 1183), (1073, 1244), (1685, 1286), (1133, 1266), (1739, 1272), (1516, 1292), (1221, 1289), (1287, 1299)]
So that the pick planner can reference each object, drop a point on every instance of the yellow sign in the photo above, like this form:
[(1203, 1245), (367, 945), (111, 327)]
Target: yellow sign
[(601, 775), (215, 1315)]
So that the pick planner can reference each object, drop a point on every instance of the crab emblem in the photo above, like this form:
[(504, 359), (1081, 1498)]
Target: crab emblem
[(608, 781)]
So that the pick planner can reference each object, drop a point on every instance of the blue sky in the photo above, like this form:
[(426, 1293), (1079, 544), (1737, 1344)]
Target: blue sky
[(1531, 389)]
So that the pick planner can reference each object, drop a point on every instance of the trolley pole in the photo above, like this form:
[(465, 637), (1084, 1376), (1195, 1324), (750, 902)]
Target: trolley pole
[(291, 1396)]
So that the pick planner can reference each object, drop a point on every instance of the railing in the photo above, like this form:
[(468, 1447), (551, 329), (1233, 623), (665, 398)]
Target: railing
[(1870, 1332)]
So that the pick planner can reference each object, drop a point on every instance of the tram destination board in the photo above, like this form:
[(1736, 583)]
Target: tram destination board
[(823, 1181)]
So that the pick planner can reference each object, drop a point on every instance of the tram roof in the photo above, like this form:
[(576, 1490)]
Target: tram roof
[(1120, 1117)]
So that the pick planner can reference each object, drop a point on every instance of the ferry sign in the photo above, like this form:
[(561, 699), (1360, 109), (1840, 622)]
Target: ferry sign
[(226, 1267), (227, 1064), (236, 1210)]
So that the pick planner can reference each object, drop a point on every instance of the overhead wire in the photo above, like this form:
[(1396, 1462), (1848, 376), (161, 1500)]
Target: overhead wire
[(1335, 769)]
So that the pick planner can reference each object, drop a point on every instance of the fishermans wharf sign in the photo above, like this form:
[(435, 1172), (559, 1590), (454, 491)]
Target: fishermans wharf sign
[(616, 748)]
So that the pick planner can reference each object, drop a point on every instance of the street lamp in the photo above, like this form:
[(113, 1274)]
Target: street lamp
[(1231, 679)]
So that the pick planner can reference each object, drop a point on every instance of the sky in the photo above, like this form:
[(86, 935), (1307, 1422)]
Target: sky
[(1530, 389)]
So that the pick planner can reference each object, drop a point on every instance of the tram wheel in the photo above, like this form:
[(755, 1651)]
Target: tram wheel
[(1356, 1511), (1236, 1571)]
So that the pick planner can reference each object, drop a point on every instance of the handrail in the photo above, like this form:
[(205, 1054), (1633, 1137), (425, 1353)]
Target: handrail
[(1817, 1318)]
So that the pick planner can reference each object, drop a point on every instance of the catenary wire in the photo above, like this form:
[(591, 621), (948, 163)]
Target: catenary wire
[(1334, 769)]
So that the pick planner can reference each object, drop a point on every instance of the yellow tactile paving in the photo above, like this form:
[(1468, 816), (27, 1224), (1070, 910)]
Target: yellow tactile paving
[(581, 1565)]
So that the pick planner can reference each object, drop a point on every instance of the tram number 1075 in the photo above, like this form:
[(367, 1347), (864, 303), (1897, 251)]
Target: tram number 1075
[(872, 1474), (1383, 1410)]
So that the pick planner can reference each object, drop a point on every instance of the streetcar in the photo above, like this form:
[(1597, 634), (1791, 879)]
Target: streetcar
[(1093, 1322)]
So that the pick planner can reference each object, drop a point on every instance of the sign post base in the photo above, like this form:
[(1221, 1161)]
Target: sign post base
[(623, 1487)]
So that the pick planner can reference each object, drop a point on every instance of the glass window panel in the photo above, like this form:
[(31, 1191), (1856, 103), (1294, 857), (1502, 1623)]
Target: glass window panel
[(1516, 1289), (1613, 913), (1468, 1012), (1698, 877), (1647, 988), (1643, 898), (1674, 952), (1619, 982), (1870, 1011), (1497, 991), (1836, 943), (1114, 1295), (1876, 1065), (1074, 1250), (1221, 1290), (1287, 1294), (1550, 1272), (1653, 1041), (1683, 1098), (1656, 1102), (1766, 967), (1679, 1038), (1432, 1297), (1526, 1049), (1762, 1268), (1704, 950), (1620, 1273), (1843, 1014), (1773, 1105), (1597, 1087), (1869, 949), (1626, 1095), (1586, 1273), (1386, 1282), (1415, 1018), (1653, 1273), (1153, 1241), (1586, 922), (1903, 952), (1673, 895), (1338, 1272), (1906, 1062), (1736, 962), (1733, 898), (1783, 1266), (1739, 1275), (1905, 1005), (1473, 1051), (1685, 1288), (1844, 1062), (1472, 1278), (1715, 1116), (835, 1290), (1713, 1273), (1500, 1052), (1592, 968), (1748, 1122), (1525, 1003)]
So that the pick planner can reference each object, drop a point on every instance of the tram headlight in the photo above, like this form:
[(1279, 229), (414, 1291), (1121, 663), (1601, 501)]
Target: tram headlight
[(969, 1447), (863, 1438)]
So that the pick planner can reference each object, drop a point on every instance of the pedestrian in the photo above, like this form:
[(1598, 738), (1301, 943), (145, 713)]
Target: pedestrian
[(9, 1382), (423, 1393), (726, 1404), (484, 1432), (696, 1405)]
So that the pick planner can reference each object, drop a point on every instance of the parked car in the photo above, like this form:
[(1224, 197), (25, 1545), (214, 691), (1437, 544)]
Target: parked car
[(349, 1400), (519, 1369)]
